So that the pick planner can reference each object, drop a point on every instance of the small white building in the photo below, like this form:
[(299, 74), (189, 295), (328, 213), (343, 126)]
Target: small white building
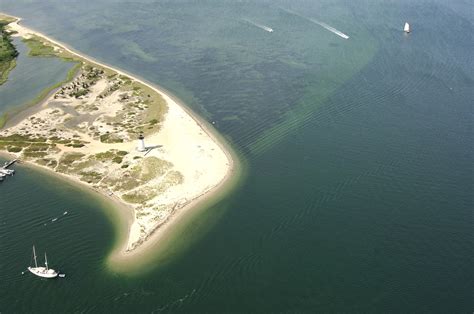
[(141, 143)]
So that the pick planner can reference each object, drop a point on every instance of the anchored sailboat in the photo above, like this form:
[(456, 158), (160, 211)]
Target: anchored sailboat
[(41, 271), (406, 28)]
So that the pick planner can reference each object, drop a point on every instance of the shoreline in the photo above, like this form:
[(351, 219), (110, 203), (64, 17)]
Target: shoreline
[(16, 115), (119, 254)]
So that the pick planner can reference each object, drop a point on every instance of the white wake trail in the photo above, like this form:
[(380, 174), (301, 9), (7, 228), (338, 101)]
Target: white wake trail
[(322, 24), (265, 28), (330, 28)]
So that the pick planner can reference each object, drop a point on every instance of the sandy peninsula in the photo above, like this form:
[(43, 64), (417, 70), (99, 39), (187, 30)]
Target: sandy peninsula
[(87, 131)]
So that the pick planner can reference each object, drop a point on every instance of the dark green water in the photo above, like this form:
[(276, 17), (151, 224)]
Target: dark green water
[(358, 194), (30, 76)]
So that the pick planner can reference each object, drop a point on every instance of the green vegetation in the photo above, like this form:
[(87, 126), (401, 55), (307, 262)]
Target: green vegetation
[(105, 155), (38, 48), (14, 149), (68, 158), (145, 194), (145, 114), (75, 145), (19, 139), (111, 155), (79, 93), (34, 154), (29, 146), (117, 159), (148, 169), (48, 162), (90, 176), (110, 138), (8, 53), (140, 196)]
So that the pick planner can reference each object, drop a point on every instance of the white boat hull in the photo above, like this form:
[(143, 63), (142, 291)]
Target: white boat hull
[(43, 272)]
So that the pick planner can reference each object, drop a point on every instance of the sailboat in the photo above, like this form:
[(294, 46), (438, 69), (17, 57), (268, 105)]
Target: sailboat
[(406, 28), (41, 271)]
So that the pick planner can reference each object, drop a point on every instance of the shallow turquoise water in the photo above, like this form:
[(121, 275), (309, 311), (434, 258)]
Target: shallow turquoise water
[(30, 76), (359, 190)]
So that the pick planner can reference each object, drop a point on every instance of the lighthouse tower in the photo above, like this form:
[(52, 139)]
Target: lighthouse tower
[(141, 143)]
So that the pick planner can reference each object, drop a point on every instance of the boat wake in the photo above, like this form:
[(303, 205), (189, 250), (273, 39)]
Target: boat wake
[(265, 28), (330, 28), (56, 218), (175, 304), (322, 24)]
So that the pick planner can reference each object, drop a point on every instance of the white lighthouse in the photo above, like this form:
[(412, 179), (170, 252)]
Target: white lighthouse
[(141, 143)]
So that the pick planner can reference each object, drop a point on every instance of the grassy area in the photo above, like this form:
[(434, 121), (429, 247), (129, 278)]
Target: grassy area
[(29, 147), (148, 169), (38, 48), (110, 138), (111, 155), (65, 163), (145, 194), (140, 196), (5, 68), (7, 19), (8, 52), (151, 111)]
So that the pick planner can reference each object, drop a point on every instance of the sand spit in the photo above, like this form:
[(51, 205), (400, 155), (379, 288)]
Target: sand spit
[(87, 131)]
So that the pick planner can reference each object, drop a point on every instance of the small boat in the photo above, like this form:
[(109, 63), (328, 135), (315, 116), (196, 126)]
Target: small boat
[(41, 271), (62, 275), (65, 213), (8, 172), (54, 219), (406, 28)]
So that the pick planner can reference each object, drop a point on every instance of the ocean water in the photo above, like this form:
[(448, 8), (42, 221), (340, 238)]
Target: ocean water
[(358, 192)]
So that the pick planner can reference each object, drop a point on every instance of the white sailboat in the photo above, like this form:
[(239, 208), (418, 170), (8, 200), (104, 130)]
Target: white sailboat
[(41, 271), (406, 28)]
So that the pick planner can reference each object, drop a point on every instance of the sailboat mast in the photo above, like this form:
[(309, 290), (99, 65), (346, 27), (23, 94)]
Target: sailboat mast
[(34, 256), (45, 261)]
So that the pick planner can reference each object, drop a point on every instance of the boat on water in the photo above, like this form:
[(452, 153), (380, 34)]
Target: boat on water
[(406, 28), (44, 272), (7, 172)]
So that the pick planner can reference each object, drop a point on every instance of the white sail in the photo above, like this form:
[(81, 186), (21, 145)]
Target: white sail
[(406, 29), (34, 256)]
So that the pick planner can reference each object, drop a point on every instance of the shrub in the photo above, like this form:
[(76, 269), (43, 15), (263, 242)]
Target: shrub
[(14, 149)]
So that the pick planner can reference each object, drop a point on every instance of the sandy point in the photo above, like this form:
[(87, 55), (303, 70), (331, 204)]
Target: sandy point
[(209, 166)]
